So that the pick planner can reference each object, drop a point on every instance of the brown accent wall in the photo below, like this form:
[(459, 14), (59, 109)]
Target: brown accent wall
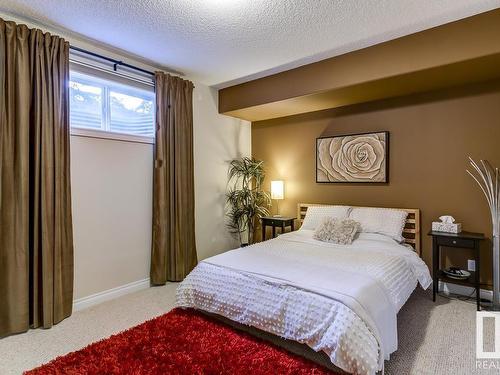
[(456, 53), (431, 136)]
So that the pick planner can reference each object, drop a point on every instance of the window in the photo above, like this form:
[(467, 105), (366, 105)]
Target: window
[(103, 105)]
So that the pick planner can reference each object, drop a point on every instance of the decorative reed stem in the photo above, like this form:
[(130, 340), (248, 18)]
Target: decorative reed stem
[(487, 178)]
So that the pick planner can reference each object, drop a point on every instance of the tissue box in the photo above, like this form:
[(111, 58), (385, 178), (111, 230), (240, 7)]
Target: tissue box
[(446, 227)]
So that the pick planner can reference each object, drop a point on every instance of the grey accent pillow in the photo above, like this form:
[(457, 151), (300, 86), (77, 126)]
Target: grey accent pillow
[(338, 231)]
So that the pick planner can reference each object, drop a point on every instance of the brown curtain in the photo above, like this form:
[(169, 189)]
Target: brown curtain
[(173, 253), (36, 241)]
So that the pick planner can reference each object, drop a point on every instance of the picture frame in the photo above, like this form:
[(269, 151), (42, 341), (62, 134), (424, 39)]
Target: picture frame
[(353, 158)]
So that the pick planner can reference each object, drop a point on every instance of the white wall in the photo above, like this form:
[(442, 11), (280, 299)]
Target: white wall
[(112, 188)]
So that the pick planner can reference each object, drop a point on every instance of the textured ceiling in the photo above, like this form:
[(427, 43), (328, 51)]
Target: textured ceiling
[(228, 41)]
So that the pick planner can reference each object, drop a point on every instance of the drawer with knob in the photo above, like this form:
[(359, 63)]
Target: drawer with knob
[(455, 242)]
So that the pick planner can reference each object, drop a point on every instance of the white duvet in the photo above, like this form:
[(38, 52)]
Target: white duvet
[(340, 299)]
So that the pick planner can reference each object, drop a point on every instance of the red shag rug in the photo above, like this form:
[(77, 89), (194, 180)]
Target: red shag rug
[(180, 342)]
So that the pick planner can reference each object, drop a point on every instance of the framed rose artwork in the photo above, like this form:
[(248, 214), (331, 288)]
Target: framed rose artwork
[(353, 158)]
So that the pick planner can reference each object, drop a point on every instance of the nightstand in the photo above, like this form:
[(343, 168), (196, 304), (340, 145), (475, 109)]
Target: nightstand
[(276, 222), (463, 240)]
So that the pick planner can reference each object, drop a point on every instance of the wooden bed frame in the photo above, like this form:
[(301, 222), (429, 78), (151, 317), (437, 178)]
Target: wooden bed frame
[(411, 231)]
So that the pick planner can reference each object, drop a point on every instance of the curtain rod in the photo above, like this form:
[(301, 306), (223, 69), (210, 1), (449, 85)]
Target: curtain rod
[(115, 62)]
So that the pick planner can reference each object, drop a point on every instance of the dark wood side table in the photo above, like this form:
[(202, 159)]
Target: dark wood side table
[(276, 222), (464, 240)]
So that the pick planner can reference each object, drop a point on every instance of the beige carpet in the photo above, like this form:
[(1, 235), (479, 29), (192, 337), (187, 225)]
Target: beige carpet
[(434, 338)]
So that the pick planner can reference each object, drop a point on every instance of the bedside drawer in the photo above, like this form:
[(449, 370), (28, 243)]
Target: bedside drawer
[(455, 242), (277, 223)]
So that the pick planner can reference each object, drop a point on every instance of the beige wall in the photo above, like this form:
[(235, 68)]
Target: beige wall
[(431, 136), (217, 139), (112, 190)]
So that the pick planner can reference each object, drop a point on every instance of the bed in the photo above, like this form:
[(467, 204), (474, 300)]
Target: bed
[(341, 300)]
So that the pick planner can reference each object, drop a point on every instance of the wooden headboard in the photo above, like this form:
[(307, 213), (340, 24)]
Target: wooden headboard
[(411, 231)]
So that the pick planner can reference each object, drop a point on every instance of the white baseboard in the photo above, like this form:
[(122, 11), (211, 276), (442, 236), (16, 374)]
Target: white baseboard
[(106, 295), (464, 290)]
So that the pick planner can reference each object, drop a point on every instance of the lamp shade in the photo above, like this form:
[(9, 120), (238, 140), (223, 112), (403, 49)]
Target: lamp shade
[(277, 190)]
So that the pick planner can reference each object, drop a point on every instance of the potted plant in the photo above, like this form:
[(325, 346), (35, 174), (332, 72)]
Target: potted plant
[(246, 200)]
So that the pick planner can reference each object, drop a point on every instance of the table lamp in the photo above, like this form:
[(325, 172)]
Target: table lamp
[(277, 193)]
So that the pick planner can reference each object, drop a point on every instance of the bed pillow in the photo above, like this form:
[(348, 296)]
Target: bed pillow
[(338, 231), (315, 215), (387, 221)]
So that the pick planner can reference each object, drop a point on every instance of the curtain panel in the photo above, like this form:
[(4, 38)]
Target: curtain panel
[(36, 240), (173, 253)]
